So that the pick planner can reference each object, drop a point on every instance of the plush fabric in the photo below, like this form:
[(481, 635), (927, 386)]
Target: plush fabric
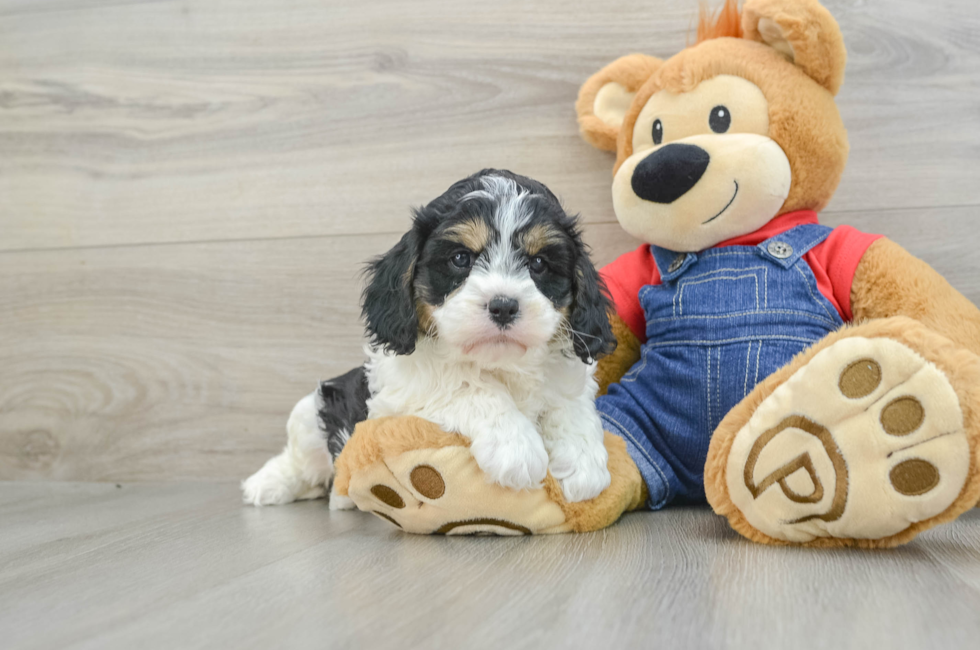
[(960, 367), (815, 42), (423, 480), (628, 73), (891, 281), (866, 438), (803, 116), (834, 263), (615, 365)]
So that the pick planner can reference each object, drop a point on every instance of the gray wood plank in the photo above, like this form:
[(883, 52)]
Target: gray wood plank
[(135, 122), (183, 361), (185, 566), (178, 361)]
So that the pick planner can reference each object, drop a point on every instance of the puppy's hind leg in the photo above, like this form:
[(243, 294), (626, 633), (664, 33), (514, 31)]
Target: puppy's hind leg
[(302, 470)]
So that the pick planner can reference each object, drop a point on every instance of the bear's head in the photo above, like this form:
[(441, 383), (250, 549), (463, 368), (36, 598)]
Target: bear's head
[(717, 140)]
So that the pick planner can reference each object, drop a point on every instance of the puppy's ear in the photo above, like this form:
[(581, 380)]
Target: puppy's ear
[(804, 32), (388, 301), (605, 98), (589, 317)]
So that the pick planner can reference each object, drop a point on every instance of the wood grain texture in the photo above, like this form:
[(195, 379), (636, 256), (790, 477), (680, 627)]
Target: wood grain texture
[(158, 362), (185, 566), (188, 189), (184, 120)]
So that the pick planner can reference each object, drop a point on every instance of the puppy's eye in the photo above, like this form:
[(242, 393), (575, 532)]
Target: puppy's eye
[(537, 264), (461, 260), (658, 132), (720, 119)]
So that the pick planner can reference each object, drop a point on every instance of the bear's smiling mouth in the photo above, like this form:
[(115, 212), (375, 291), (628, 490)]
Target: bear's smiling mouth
[(728, 205)]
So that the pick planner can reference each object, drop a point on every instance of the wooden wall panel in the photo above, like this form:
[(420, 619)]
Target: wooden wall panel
[(188, 189)]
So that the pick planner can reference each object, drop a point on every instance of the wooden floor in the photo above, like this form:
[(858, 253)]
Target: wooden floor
[(185, 566), (188, 189)]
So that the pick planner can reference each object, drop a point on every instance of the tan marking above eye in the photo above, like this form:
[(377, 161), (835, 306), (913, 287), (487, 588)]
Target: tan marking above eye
[(683, 115), (860, 379), (914, 477), (538, 237), (472, 233), (902, 416)]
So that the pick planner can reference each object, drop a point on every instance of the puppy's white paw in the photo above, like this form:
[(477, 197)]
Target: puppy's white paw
[(261, 489), (515, 458), (581, 470), (275, 484)]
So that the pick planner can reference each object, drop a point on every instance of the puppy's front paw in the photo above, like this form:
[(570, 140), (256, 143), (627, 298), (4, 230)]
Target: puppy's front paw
[(267, 488), (515, 458), (581, 470)]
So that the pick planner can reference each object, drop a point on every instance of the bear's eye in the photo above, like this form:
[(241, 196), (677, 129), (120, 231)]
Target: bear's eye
[(720, 119), (658, 132)]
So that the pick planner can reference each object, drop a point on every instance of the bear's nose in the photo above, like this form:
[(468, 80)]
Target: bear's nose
[(669, 172)]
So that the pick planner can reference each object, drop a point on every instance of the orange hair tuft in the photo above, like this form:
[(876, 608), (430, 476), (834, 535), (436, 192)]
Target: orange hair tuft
[(726, 21)]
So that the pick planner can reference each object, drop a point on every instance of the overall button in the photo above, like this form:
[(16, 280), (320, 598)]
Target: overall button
[(677, 263), (780, 249)]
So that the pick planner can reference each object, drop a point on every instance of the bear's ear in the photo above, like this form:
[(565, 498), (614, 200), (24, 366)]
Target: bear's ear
[(604, 99), (804, 32)]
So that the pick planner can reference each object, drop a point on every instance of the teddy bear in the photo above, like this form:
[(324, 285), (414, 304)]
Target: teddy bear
[(816, 386)]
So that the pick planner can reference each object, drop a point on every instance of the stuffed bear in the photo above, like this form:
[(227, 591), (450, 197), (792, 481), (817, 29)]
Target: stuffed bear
[(817, 386)]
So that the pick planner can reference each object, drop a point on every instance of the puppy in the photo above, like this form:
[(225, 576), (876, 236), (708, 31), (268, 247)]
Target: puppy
[(487, 319)]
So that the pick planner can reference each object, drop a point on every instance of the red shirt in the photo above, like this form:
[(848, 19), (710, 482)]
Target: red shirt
[(834, 262)]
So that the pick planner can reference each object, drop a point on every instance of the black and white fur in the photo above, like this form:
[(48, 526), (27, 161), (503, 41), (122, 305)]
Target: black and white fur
[(486, 318)]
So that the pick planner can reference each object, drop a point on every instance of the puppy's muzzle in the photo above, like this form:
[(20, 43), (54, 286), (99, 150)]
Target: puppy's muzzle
[(668, 173), (503, 310)]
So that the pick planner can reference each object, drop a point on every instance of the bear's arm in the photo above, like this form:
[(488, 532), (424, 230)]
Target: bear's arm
[(891, 282), (611, 368)]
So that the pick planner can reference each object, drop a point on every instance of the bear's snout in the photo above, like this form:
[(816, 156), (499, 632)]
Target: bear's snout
[(668, 173)]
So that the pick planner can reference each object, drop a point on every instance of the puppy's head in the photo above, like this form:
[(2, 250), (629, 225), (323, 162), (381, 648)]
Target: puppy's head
[(492, 268)]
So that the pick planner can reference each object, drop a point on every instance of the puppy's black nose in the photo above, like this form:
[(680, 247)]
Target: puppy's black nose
[(503, 310), (668, 173)]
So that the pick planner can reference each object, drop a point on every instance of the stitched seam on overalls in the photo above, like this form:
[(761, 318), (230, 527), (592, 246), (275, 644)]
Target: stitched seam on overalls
[(774, 337), (758, 356), (806, 281), (787, 312), (717, 271), (684, 285), (723, 253), (748, 355), (636, 370), (717, 351), (626, 433), (709, 386)]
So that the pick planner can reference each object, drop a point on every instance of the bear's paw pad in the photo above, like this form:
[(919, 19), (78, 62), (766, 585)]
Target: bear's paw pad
[(861, 443), (442, 491)]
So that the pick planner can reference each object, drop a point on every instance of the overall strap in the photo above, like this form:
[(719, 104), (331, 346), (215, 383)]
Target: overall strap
[(670, 264), (786, 249)]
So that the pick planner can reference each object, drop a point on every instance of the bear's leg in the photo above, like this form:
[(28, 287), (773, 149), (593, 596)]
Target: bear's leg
[(866, 439), (423, 480)]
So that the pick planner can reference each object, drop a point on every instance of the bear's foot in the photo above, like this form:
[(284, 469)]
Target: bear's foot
[(870, 438), (423, 480)]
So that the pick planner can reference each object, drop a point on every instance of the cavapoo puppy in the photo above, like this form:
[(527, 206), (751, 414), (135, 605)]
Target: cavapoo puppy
[(486, 319)]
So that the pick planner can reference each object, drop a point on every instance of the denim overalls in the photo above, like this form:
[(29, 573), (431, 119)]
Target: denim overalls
[(721, 321)]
